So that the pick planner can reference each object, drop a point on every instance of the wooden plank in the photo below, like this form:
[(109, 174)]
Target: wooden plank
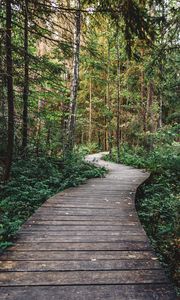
[(82, 265), (88, 212), (89, 292), (86, 222), (82, 277), (90, 206), (77, 255), (55, 238), (111, 246), (69, 217), (86, 233), (118, 229)]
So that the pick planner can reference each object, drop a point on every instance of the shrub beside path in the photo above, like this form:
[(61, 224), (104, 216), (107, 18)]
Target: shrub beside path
[(86, 243)]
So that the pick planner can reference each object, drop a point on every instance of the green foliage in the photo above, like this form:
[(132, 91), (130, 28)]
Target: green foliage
[(33, 181), (88, 149)]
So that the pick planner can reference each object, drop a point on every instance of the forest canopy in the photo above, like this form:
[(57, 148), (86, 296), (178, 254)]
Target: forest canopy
[(85, 71)]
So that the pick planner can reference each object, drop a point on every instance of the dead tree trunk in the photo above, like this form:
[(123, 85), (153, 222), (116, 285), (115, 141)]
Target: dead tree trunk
[(10, 94)]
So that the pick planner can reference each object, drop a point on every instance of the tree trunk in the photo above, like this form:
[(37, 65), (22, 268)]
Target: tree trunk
[(150, 98), (108, 103), (106, 146), (26, 82), (75, 81), (143, 96), (10, 94), (118, 133), (143, 101), (160, 111), (90, 111)]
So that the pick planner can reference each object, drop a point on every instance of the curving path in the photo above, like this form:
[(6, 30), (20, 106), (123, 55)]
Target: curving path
[(86, 243)]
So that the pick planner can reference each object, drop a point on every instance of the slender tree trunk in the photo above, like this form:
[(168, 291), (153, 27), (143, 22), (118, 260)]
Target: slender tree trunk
[(143, 96), (143, 100), (10, 94), (26, 82), (160, 111), (2, 87), (75, 82), (38, 129), (99, 139), (48, 139), (106, 146), (90, 111), (3, 108), (109, 104), (118, 132), (161, 69), (150, 98)]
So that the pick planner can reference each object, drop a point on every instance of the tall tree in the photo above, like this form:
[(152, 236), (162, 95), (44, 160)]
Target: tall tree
[(75, 80), (26, 81), (118, 133), (90, 111), (10, 94)]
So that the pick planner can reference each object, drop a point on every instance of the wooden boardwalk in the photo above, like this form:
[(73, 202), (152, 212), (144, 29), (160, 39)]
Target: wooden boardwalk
[(86, 243)]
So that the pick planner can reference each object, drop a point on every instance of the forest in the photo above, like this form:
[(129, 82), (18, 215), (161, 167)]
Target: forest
[(84, 76)]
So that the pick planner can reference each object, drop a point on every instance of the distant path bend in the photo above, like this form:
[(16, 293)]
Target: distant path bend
[(86, 243)]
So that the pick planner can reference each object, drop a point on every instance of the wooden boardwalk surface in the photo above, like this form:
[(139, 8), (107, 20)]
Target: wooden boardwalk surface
[(86, 243)]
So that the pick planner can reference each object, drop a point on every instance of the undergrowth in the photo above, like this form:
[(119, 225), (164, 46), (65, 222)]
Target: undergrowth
[(159, 202), (32, 182)]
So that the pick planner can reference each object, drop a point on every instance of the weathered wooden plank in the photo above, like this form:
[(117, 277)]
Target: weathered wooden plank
[(91, 211), (82, 277), (86, 233), (85, 212), (113, 246), (77, 255), (69, 217), (86, 222), (118, 229), (89, 292), (55, 238), (75, 265), (104, 206)]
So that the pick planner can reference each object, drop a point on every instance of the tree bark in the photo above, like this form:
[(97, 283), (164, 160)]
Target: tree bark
[(75, 81), (143, 96), (160, 111), (10, 94), (108, 102), (143, 101), (90, 111), (118, 132), (26, 82), (150, 98)]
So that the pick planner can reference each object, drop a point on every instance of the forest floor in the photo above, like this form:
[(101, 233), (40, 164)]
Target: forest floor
[(86, 243)]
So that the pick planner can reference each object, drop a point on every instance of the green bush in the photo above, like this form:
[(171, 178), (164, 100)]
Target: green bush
[(88, 149)]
